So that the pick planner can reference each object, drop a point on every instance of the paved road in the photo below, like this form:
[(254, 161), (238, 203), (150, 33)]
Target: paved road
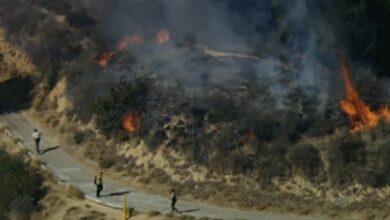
[(70, 171)]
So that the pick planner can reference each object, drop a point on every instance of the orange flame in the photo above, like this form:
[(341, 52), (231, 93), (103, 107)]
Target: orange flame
[(359, 113), (131, 121), (385, 113), (250, 135), (132, 40), (162, 37), (104, 58)]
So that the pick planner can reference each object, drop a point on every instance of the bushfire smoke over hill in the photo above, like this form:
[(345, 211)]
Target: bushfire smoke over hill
[(287, 36)]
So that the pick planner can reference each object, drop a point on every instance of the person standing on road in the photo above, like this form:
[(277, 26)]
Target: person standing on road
[(173, 201), (99, 183), (37, 138)]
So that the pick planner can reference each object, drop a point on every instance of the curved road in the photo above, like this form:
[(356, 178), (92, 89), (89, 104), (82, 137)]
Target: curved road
[(70, 171)]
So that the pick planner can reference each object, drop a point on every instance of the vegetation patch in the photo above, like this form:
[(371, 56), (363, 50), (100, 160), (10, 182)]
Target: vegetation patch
[(75, 192), (21, 186), (123, 96), (107, 163), (78, 137), (152, 213)]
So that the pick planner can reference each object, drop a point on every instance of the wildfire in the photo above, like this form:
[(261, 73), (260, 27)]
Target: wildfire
[(131, 40), (250, 135), (359, 113), (104, 58), (131, 121), (162, 37)]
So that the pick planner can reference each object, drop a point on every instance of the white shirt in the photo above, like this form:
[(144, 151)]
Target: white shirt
[(173, 195), (36, 135)]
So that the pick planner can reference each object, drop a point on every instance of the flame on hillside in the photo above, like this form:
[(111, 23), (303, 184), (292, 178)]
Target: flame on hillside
[(359, 113), (163, 37), (250, 135), (104, 58), (132, 40), (131, 121)]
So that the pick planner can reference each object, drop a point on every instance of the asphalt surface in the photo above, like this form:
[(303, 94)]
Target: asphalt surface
[(70, 171)]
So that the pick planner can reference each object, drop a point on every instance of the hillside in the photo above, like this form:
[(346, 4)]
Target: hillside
[(241, 104)]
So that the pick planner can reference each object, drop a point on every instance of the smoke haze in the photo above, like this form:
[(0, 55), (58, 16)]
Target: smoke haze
[(289, 37)]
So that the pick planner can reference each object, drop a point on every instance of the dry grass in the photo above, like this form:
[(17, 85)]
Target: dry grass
[(23, 152), (49, 177), (15, 215), (153, 213), (16, 140), (220, 192), (169, 215), (132, 212), (75, 192), (14, 57), (36, 163), (184, 217)]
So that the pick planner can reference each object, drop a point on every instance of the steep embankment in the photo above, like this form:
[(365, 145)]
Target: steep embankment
[(72, 172), (13, 61)]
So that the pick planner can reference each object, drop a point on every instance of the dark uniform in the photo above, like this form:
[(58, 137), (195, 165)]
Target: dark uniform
[(37, 138), (173, 201), (99, 183)]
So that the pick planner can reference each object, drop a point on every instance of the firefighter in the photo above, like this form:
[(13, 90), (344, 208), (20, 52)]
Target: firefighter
[(99, 182), (37, 138), (173, 201)]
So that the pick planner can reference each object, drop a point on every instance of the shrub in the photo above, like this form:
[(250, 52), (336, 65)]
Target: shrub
[(352, 150), (216, 163), (107, 163), (17, 181), (78, 137), (123, 96), (265, 128), (185, 217), (154, 139), (132, 212), (169, 215), (22, 152), (380, 176), (226, 139), (37, 163), (75, 192), (238, 164), (307, 159), (152, 213), (80, 19), (222, 109), (347, 159), (21, 208)]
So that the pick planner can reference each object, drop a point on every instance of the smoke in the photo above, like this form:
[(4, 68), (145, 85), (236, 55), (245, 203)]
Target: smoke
[(289, 36)]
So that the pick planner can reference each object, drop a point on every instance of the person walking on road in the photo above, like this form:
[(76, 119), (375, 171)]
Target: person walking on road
[(37, 138), (99, 183), (173, 201)]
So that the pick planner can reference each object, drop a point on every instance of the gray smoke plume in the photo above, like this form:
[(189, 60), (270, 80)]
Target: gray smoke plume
[(289, 37)]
